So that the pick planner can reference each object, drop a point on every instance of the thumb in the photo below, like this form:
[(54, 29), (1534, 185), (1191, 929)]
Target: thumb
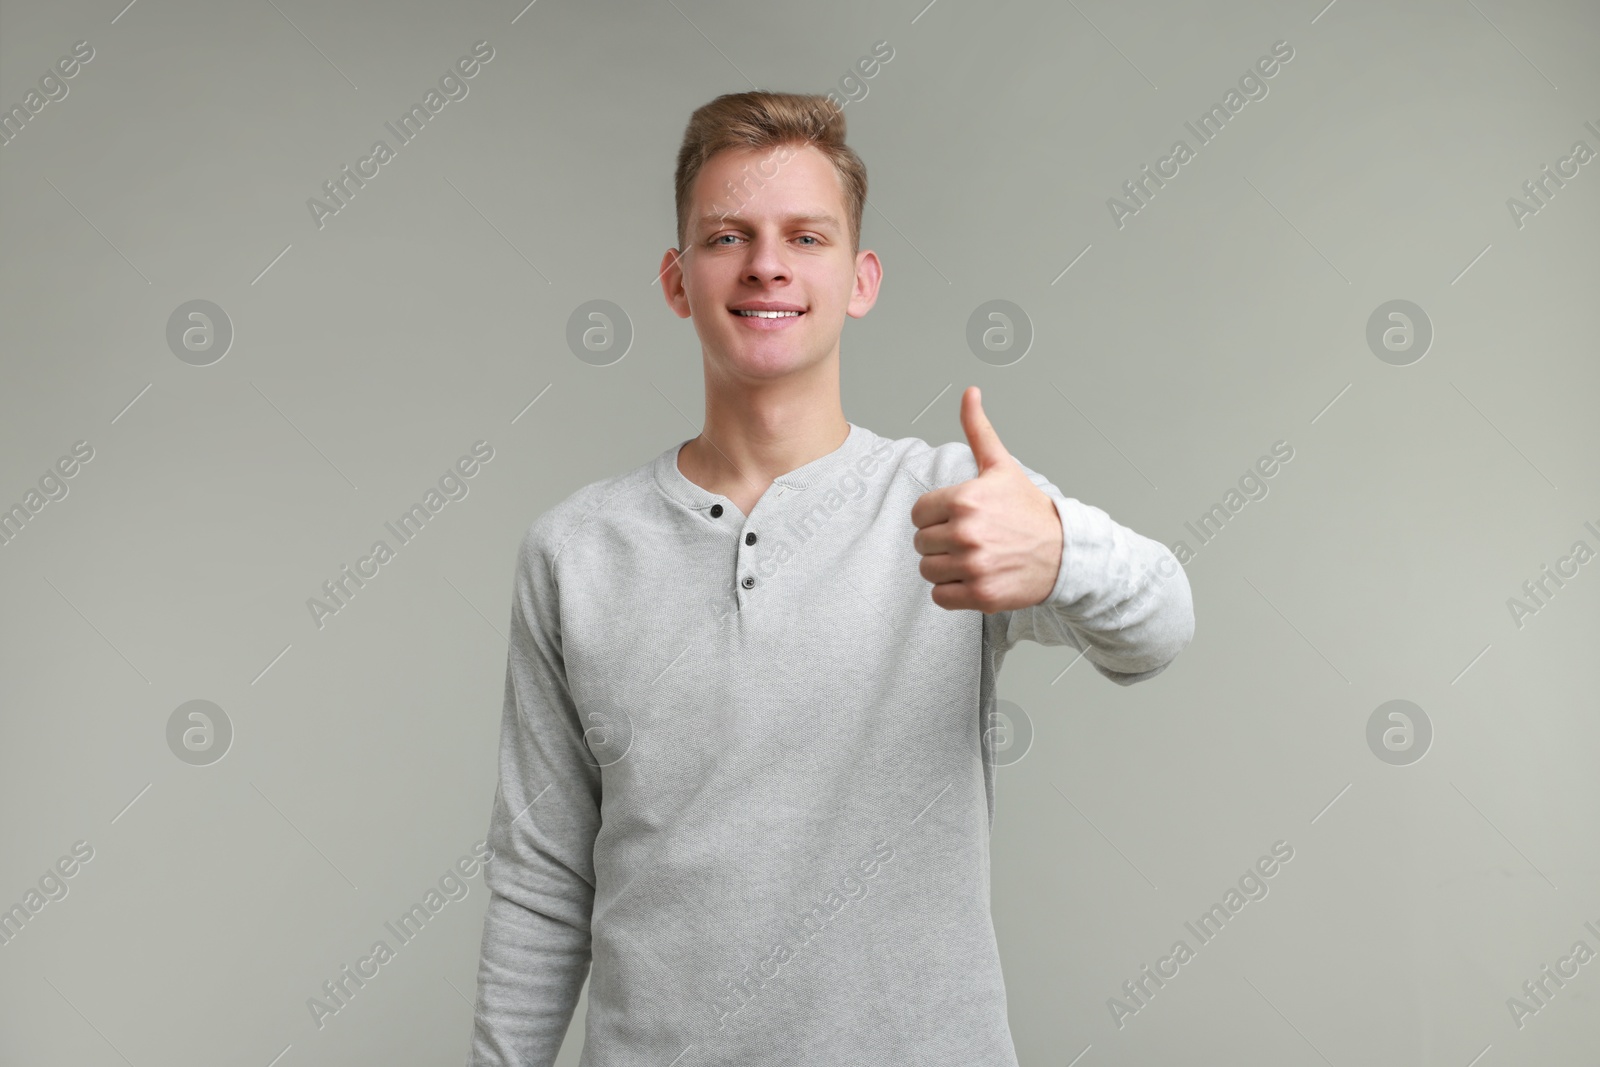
[(985, 443)]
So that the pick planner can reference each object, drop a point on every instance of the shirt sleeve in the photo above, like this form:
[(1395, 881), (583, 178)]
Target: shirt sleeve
[(535, 953), (1120, 598)]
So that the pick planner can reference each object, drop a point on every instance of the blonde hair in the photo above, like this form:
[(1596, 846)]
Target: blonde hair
[(762, 119)]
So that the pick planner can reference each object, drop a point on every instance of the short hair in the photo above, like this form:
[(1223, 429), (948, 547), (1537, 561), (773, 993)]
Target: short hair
[(762, 119)]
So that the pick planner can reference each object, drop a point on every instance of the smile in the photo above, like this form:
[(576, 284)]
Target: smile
[(767, 321)]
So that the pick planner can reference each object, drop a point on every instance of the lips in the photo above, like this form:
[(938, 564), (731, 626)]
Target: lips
[(779, 317), (765, 305)]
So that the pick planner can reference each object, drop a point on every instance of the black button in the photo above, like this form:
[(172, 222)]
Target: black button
[(716, 511), (749, 538), (748, 581)]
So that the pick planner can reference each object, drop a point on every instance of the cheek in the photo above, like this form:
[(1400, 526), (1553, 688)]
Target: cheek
[(702, 287), (834, 283)]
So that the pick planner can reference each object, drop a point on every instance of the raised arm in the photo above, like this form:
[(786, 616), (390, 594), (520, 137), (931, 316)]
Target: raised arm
[(1121, 598)]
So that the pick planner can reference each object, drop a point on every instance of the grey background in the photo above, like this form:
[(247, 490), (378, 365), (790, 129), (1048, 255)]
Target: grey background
[(432, 311)]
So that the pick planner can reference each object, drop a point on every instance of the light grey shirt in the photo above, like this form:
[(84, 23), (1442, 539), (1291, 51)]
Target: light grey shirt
[(743, 767)]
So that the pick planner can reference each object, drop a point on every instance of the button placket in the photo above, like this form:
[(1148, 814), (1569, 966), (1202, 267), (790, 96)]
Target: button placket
[(749, 580)]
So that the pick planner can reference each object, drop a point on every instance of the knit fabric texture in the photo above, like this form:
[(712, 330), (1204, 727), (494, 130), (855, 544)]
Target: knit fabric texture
[(745, 782)]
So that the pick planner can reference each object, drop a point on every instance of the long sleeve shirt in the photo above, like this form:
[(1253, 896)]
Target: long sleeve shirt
[(744, 770)]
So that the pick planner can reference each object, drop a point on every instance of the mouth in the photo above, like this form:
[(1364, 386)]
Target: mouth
[(767, 319)]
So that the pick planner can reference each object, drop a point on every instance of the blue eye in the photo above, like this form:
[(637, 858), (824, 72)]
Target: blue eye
[(717, 240)]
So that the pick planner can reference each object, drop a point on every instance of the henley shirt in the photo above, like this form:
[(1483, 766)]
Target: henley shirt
[(745, 771)]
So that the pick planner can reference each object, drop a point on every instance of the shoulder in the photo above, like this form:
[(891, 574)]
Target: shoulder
[(934, 466), (580, 514)]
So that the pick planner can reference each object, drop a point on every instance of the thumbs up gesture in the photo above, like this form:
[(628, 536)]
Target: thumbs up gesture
[(993, 542)]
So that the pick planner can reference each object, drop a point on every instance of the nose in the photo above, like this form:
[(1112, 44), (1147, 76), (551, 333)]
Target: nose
[(767, 262)]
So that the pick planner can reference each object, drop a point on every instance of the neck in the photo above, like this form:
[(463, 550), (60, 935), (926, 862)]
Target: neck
[(756, 432)]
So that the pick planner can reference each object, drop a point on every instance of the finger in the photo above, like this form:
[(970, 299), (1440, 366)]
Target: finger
[(952, 596), (981, 435), (934, 540), (942, 569)]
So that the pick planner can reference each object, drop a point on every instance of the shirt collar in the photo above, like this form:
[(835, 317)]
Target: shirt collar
[(677, 485)]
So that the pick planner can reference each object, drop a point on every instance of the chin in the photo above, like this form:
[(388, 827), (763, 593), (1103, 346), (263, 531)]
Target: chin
[(769, 360)]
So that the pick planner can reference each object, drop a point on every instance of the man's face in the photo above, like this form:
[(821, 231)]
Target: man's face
[(777, 236)]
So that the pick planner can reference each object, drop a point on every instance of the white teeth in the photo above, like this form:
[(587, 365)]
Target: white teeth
[(768, 314)]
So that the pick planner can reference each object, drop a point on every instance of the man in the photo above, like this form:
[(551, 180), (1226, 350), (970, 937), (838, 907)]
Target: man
[(742, 756)]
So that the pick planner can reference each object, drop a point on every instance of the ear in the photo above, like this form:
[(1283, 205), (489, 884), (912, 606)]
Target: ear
[(869, 274), (672, 264)]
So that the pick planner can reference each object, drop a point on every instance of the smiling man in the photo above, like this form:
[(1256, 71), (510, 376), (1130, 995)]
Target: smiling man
[(745, 752)]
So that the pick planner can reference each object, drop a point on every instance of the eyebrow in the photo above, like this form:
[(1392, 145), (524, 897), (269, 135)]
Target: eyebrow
[(717, 218)]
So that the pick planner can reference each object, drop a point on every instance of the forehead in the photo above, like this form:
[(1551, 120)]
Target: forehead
[(767, 182)]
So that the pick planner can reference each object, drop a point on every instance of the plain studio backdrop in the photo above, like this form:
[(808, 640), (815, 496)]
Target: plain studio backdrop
[(1379, 259)]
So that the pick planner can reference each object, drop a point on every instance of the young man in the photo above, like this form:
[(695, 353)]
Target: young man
[(743, 762)]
